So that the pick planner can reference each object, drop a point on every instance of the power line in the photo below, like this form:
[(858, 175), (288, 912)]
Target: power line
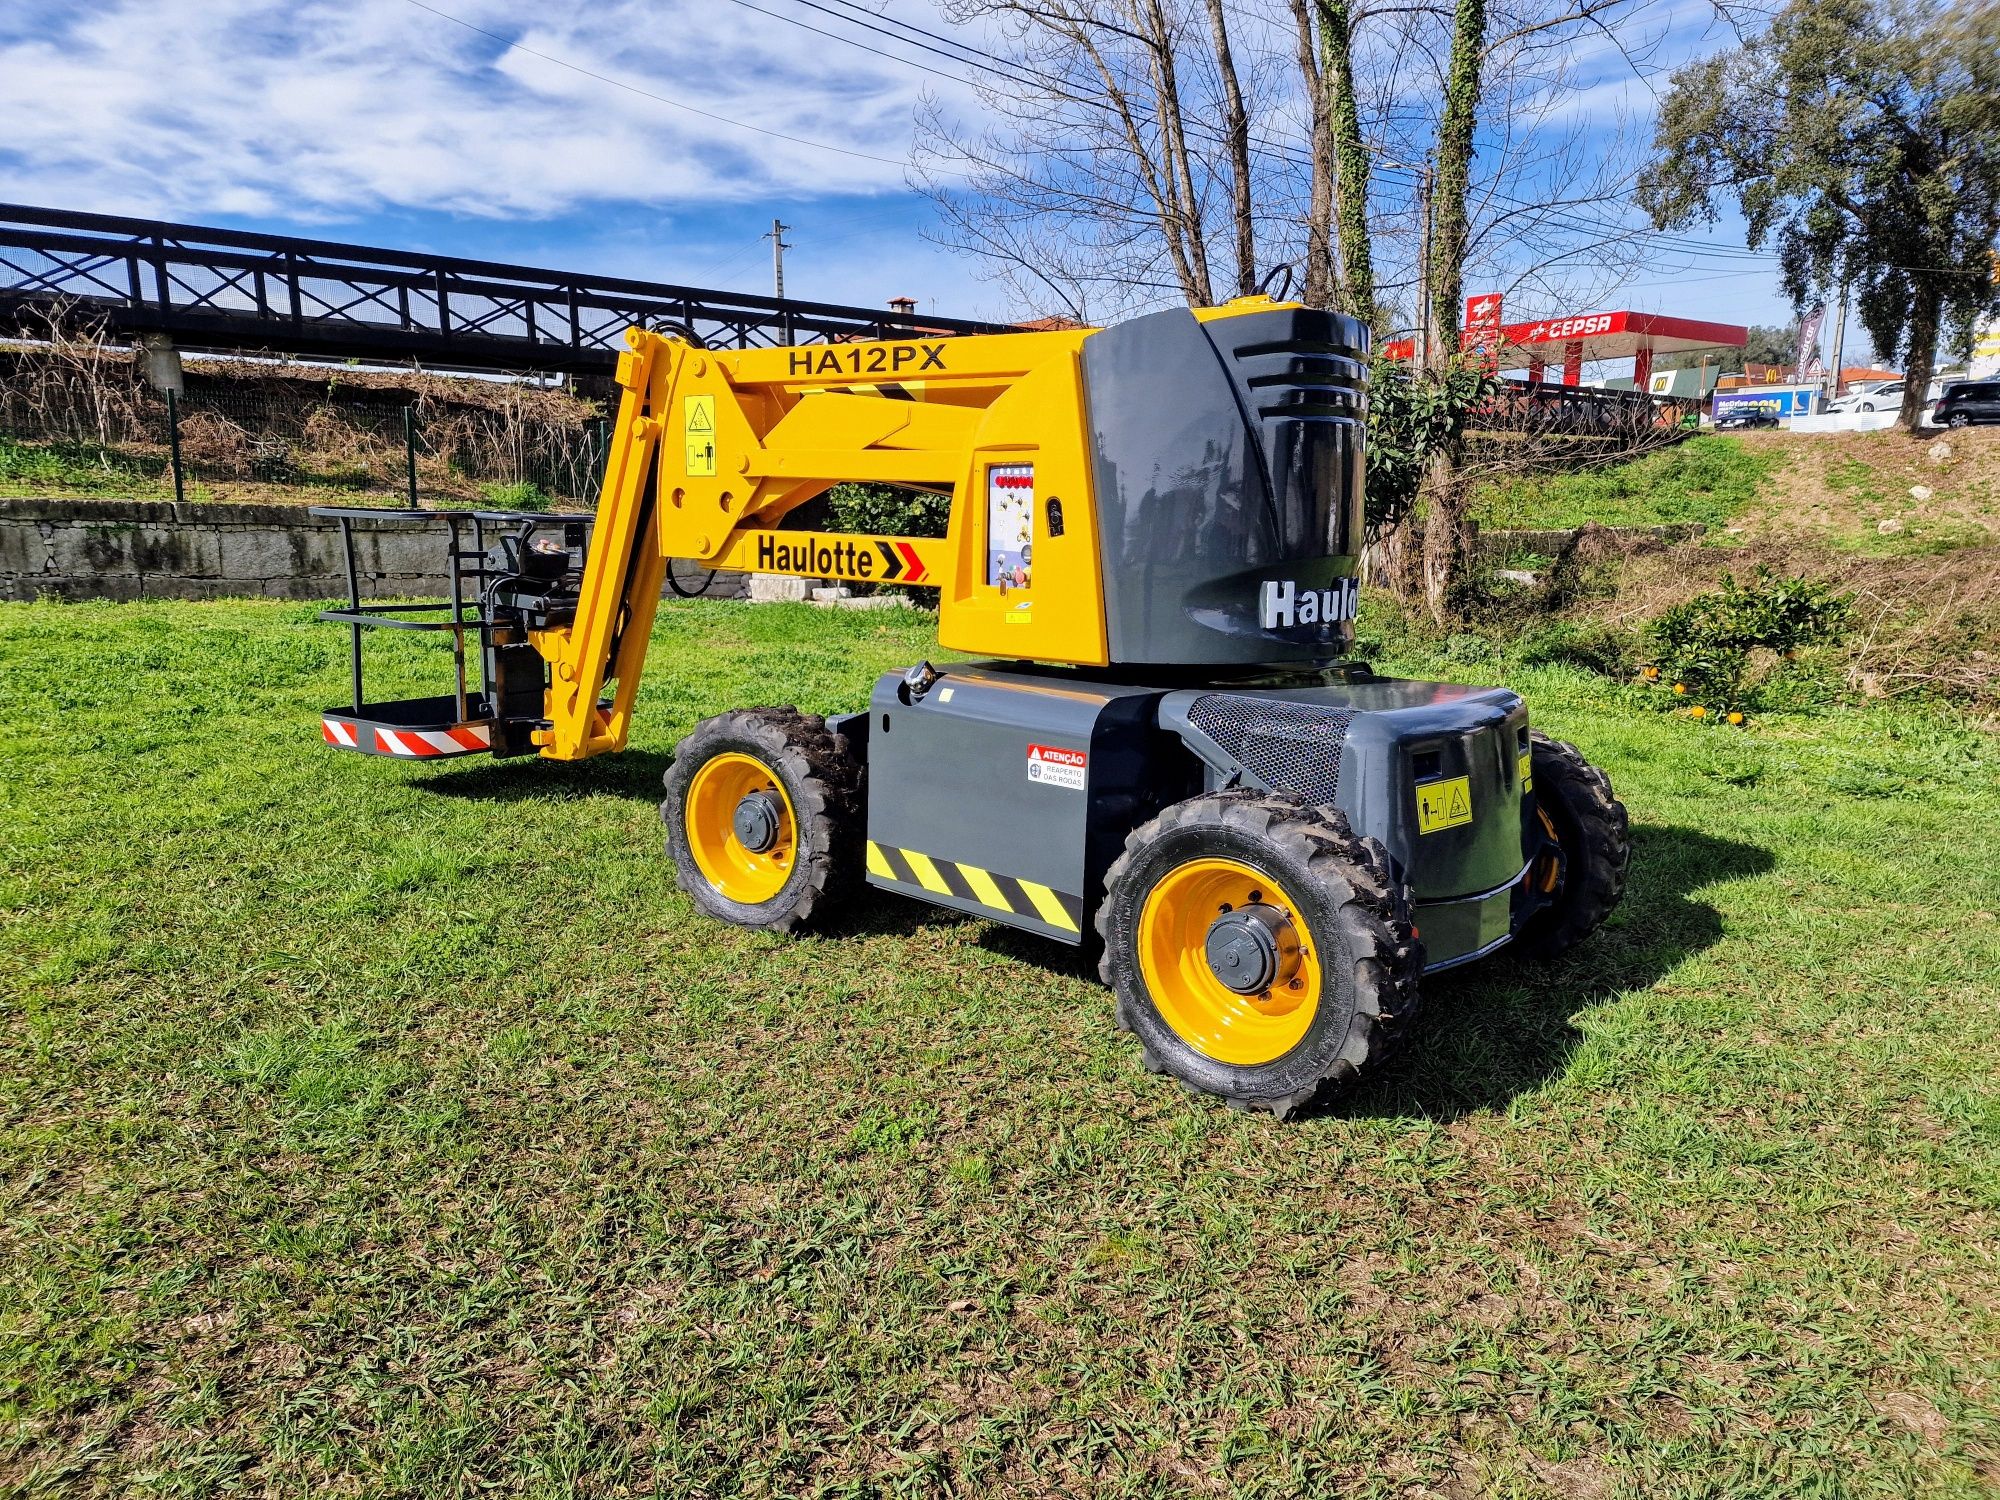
[(1008, 71), (1014, 72), (1002, 70), (969, 50), (834, 36), (630, 88)]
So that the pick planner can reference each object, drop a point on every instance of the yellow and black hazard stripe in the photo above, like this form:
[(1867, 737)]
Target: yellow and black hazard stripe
[(1003, 895)]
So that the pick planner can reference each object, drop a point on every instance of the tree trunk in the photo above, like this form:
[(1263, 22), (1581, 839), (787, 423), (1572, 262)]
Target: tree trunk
[(1320, 285), (1443, 489), (1394, 561), (1350, 160), (1922, 359), (1236, 130), (1454, 175), (1445, 532), (1173, 140), (1168, 211)]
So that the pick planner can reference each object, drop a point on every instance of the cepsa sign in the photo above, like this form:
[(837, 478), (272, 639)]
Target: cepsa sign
[(1569, 328)]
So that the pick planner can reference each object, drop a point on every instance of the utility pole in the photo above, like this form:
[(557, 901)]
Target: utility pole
[(1424, 269), (778, 249), (1839, 338)]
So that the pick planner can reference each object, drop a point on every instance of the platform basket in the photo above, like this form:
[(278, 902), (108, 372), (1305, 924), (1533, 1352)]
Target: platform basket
[(461, 721)]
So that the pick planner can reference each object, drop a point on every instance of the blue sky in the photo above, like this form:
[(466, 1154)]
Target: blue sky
[(385, 122)]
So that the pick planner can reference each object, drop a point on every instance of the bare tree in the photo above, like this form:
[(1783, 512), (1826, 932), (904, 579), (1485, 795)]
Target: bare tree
[(1134, 153), (1318, 289), (1236, 134), (1132, 150)]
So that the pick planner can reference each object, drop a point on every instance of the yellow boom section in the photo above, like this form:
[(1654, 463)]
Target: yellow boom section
[(738, 439)]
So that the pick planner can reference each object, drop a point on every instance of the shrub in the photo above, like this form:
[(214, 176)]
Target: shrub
[(214, 444), (523, 495), (1707, 642), (888, 511), (1412, 415)]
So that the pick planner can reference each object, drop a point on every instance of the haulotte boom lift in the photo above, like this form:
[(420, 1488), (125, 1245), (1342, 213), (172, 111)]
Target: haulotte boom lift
[(1164, 749)]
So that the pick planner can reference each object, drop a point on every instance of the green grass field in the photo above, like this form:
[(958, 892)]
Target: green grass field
[(380, 1130), (1708, 479)]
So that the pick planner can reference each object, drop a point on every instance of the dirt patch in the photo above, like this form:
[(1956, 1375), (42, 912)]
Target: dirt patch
[(1882, 493), (1911, 1410)]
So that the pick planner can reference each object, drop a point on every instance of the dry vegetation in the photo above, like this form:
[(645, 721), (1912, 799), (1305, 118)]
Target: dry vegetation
[(1935, 491), (1909, 527), (1924, 622), (78, 418)]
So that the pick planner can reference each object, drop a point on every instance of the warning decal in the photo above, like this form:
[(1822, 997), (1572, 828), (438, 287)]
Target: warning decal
[(700, 430), (1444, 804), (1527, 772), (1052, 765)]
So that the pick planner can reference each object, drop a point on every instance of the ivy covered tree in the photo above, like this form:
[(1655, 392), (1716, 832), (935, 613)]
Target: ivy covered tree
[(1862, 138)]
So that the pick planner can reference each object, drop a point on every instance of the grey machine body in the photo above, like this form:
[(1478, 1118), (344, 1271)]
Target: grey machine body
[(1227, 461)]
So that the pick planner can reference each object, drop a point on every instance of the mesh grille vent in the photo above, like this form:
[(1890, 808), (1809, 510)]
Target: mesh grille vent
[(1294, 747)]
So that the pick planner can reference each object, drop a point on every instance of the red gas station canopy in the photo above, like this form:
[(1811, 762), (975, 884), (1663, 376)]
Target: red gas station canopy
[(1582, 337)]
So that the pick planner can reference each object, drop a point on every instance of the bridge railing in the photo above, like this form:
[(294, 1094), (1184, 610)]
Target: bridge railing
[(234, 289)]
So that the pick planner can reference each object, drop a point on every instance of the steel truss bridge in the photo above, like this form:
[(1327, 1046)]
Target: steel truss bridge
[(229, 290)]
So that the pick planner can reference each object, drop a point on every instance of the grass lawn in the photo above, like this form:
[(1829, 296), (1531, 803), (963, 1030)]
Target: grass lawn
[(379, 1130), (1708, 479), (1833, 492)]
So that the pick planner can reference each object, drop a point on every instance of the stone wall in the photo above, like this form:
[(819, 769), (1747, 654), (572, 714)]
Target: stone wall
[(131, 549)]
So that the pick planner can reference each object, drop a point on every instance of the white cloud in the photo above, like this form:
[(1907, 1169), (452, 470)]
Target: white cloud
[(329, 112), (331, 108)]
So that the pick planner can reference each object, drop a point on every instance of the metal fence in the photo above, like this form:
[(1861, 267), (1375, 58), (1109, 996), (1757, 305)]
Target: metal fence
[(1539, 409), (243, 439)]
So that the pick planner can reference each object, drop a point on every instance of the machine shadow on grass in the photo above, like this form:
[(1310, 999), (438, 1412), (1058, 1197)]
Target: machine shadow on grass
[(1496, 1029), (638, 774), (1486, 1033)]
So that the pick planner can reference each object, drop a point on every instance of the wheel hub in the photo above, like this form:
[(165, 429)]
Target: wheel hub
[(1248, 948), (757, 820)]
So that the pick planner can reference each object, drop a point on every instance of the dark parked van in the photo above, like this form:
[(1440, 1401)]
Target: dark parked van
[(1967, 402)]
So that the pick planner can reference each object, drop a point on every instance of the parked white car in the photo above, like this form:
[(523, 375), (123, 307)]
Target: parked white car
[(1860, 391), (1884, 395)]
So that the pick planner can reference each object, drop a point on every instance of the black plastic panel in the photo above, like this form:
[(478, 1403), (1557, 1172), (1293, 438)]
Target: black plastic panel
[(1227, 455)]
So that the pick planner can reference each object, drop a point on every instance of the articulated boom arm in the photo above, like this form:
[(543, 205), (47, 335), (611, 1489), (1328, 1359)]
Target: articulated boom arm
[(733, 441), (1183, 489)]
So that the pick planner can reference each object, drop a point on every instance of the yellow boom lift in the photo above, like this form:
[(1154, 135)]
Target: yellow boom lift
[(1165, 750)]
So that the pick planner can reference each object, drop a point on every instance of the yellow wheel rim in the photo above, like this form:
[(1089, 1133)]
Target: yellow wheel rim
[(1551, 866), (1207, 1014), (747, 876)]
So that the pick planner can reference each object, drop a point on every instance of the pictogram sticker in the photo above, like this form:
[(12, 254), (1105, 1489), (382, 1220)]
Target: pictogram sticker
[(1527, 771), (1052, 765), (1444, 804), (699, 425)]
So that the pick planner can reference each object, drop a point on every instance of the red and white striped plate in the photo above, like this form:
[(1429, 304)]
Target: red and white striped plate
[(421, 744)]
